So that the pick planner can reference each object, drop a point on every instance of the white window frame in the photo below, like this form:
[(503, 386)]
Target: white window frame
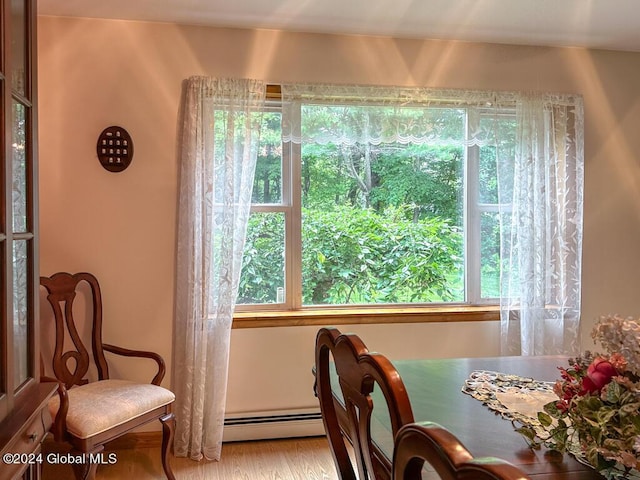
[(291, 207)]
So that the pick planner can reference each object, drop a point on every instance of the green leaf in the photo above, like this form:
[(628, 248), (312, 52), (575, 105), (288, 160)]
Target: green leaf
[(592, 403), (530, 436), (630, 408), (552, 409), (604, 415), (613, 392), (545, 419)]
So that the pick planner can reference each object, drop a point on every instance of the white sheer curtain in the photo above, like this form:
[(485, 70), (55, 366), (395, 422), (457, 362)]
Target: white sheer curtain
[(542, 242), (220, 134), (353, 121)]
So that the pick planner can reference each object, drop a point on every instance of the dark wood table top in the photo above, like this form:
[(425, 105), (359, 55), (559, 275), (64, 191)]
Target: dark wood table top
[(434, 388)]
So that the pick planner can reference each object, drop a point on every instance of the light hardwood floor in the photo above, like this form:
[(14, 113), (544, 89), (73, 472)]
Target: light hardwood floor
[(288, 459)]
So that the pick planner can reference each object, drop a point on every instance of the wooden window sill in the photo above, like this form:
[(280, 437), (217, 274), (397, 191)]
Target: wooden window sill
[(344, 316)]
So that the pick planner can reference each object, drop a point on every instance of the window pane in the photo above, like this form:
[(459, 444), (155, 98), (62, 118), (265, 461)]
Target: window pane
[(18, 150), (495, 187), (510, 266), (267, 183), (497, 158), (382, 223), (490, 255), (231, 139), (20, 311), (262, 277), (18, 46)]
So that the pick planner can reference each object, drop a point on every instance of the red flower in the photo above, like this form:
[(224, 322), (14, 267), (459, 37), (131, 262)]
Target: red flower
[(562, 406), (599, 374)]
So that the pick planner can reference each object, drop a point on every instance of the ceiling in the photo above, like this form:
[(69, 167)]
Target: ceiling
[(606, 24)]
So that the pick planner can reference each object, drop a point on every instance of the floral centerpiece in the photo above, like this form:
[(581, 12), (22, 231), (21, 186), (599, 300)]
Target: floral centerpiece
[(597, 416)]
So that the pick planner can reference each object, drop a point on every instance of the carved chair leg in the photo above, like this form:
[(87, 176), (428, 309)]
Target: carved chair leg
[(168, 427), (86, 469)]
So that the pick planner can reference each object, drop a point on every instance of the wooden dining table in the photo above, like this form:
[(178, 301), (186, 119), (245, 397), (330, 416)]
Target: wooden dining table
[(435, 391)]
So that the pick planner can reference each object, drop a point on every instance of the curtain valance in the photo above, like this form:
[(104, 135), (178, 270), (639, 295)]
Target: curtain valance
[(365, 114)]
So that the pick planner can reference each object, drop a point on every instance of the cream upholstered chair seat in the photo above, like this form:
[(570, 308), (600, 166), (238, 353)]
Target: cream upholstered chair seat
[(99, 406), (90, 413)]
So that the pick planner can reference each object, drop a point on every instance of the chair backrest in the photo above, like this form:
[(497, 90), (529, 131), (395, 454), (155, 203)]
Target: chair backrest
[(71, 359), (430, 442), (358, 371)]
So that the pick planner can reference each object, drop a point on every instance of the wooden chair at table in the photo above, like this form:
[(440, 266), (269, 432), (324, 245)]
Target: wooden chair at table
[(358, 370), (88, 415), (416, 443)]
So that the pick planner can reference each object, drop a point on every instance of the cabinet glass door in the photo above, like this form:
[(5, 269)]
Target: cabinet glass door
[(21, 237), (21, 166), (18, 205)]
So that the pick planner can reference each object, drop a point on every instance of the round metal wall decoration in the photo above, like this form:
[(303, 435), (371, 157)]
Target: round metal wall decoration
[(115, 148)]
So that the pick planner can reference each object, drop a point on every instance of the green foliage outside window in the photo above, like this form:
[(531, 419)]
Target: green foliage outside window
[(380, 223), (360, 256), (353, 256)]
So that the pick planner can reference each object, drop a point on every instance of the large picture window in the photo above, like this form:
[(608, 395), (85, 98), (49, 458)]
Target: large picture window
[(367, 201), (466, 202)]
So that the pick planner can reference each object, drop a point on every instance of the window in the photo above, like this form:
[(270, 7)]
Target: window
[(264, 268), (371, 203)]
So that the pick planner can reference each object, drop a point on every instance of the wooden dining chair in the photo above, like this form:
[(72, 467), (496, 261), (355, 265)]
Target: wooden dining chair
[(89, 414), (416, 443), (349, 418)]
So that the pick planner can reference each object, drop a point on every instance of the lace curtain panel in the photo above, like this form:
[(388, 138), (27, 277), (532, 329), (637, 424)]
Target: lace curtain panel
[(541, 236), (219, 139)]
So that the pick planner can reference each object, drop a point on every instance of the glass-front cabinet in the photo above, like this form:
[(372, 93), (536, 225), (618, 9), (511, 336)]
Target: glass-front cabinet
[(18, 236), (24, 418)]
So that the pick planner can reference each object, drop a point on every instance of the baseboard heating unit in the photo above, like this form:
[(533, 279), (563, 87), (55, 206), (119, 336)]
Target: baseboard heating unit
[(265, 425)]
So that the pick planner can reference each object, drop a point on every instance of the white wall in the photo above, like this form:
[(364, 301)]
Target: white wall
[(121, 227), (282, 357)]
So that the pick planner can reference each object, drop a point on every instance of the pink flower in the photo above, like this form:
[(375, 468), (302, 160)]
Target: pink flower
[(618, 361), (599, 374)]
